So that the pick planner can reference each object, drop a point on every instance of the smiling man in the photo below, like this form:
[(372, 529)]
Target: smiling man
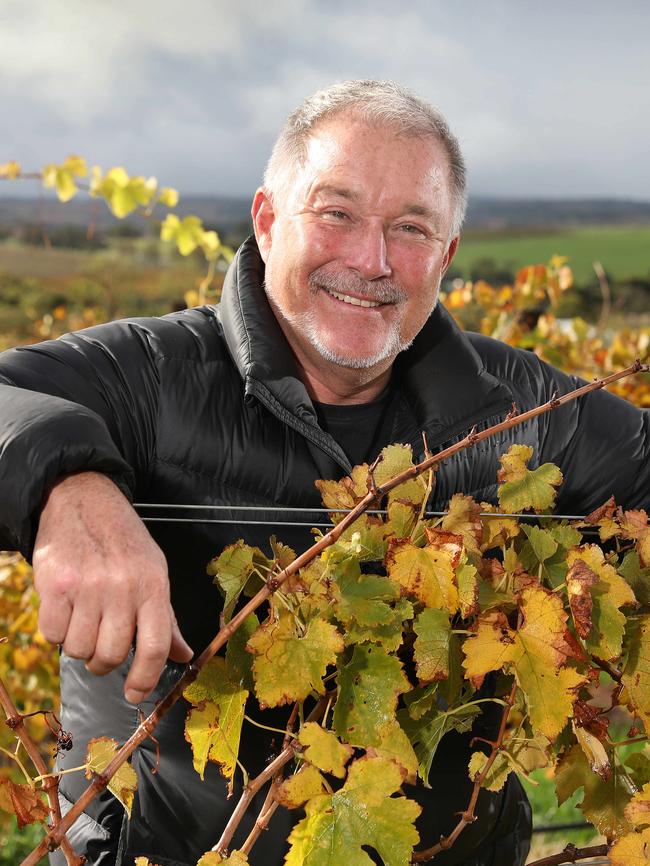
[(327, 345)]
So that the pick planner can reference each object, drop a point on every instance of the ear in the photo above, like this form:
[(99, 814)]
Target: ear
[(263, 215), (450, 253)]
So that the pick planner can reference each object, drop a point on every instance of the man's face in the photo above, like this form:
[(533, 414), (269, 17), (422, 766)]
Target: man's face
[(355, 252)]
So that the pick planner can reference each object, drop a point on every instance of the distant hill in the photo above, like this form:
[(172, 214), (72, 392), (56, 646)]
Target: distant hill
[(233, 214)]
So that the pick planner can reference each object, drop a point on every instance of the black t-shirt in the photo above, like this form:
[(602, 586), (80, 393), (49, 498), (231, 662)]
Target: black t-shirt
[(361, 429)]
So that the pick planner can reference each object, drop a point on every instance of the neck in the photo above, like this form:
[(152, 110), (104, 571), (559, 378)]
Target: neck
[(346, 386)]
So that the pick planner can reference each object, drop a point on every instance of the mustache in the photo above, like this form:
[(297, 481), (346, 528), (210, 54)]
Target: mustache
[(383, 290)]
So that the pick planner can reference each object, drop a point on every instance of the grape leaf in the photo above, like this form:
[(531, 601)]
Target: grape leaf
[(536, 651), (636, 673), (288, 665), (609, 593), (637, 810), (395, 459), (300, 787), (124, 782), (212, 858), (123, 193), (232, 569), (11, 170), (23, 801), (388, 635), (426, 732), (361, 814), (368, 688), (213, 726), (468, 586), (431, 648), (324, 750), (579, 580), (604, 802), (632, 849), (361, 597), (239, 662), (402, 519), (634, 525), (637, 576), (364, 539), (395, 745), (496, 776), (497, 530), (464, 518), (541, 545), (62, 177), (522, 488), (638, 765), (425, 573)]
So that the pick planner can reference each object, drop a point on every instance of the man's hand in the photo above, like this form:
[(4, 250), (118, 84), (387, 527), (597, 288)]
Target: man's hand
[(100, 577)]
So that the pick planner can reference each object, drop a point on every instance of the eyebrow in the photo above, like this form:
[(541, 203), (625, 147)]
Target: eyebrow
[(344, 192)]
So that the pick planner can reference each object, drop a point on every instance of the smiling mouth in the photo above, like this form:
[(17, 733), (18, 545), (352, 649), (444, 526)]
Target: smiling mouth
[(348, 299)]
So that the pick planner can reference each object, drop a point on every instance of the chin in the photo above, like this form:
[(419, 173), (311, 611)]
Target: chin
[(338, 356)]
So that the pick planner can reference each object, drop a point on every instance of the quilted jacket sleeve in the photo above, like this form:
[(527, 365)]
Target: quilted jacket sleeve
[(85, 402), (601, 442)]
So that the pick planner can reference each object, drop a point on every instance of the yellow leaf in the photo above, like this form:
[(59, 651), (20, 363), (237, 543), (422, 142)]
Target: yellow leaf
[(288, 665), (58, 178), (536, 651), (213, 726), (394, 460), (463, 518), (324, 750), (300, 787), (637, 810), (10, 170), (631, 850), (425, 573), (76, 165), (123, 784), (168, 196), (636, 673)]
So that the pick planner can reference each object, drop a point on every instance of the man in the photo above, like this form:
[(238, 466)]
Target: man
[(327, 345)]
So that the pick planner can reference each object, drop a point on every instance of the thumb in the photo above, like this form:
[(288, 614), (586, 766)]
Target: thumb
[(179, 650)]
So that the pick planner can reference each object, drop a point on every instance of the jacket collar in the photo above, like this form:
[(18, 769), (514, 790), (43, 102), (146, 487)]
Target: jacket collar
[(441, 375)]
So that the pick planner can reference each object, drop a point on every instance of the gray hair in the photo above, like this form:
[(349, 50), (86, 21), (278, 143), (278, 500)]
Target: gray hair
[(381, 103)]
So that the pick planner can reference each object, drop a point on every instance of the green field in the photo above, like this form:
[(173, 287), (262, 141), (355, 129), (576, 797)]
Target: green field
[(624, 251)]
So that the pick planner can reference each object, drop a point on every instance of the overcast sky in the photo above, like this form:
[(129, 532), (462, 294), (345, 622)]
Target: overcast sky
[(548, 98)]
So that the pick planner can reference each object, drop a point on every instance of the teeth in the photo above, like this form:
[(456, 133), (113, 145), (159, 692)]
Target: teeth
[(348, 299)]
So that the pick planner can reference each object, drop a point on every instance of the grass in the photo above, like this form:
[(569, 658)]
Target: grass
[(624, 252)]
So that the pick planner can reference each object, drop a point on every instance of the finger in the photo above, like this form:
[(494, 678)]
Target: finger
[(152, 644), (54, 617), (180, 650), (81, 637), (114, 638)]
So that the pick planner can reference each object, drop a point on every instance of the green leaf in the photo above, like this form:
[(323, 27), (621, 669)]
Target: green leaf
[(609, 593), (362, 598), (636, 673), (239, 662), (522, 488), (636, 576), (542, 545), (368, 688), (363, 813), (604, 802), (232, 569), (288, 665), (395, 745), (468, 587), (426, 732), (324, 750), (213, 726), (431, 648), (388, 635)]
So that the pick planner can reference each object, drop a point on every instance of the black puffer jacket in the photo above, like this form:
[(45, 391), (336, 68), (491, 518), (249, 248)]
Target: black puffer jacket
[(205, 407)]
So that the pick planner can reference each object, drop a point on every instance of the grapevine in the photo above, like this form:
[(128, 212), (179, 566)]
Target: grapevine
[(451, 600)]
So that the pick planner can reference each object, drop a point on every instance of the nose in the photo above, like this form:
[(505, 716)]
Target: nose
[(368, 252)]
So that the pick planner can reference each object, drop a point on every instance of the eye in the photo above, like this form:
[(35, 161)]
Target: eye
[(336, 214), (411, 229)]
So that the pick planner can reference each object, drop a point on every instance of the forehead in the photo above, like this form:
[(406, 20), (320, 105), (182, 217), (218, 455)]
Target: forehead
[(375, 163)]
